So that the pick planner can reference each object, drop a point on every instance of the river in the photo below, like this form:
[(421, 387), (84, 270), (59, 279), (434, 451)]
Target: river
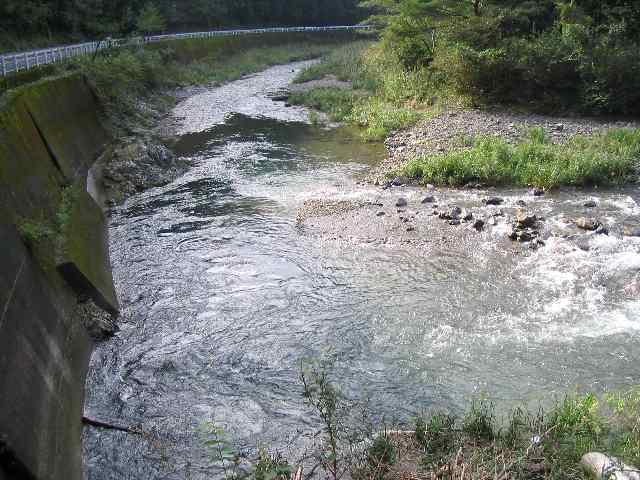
[(224, 292)]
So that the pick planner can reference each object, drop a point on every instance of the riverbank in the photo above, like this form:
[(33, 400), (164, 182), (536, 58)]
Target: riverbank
[(441, 139)]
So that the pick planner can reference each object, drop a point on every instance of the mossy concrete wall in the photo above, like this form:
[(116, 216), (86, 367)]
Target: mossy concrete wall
[(50, 134)]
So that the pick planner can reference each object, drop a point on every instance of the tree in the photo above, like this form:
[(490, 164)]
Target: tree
[(150, 20)]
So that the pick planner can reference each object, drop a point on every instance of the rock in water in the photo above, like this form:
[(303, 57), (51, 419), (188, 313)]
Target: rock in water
[(494, 201), (537, 192), (604, 467), (478, 225), (428, 199), (587, 223), (397, 182), (631, 231), (525, 220), (401, 202), (521, 203), (590, 204)]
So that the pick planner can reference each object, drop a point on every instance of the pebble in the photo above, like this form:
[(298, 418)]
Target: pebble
[(428, 199), (401, 202)]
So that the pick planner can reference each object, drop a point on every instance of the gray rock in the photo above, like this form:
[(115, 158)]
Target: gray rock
[(585, 223), (401, 202), (428, 199), (590, 204), (397, 182), (380, 214), (454, 222), (478, 225), (537, 192), (521, 203), (467, 217)]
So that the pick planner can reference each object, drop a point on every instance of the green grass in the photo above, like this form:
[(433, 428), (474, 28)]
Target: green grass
[(385, 96), (556, 439), (337, 103), (609, 158)]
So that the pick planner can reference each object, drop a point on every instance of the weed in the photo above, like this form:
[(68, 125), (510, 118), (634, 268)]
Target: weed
[(33, 232), (479, 421), (381, 454)]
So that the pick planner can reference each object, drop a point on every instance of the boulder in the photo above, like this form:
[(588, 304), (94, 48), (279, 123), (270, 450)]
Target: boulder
[(525, 220), (604, 467), (397, 182), (428, 199), (590, 204), (401, 202), (537, 192), (521, 203)]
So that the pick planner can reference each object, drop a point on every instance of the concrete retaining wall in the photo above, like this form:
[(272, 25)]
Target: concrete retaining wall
[(50, 135)]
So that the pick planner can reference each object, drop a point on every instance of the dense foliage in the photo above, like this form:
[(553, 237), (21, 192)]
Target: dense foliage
[(552, 55), (67, 19)]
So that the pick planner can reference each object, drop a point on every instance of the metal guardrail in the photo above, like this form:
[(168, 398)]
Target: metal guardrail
[(15, 62)]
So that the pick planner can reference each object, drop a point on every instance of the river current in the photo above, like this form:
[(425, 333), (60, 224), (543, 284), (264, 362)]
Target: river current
[(224, 293)]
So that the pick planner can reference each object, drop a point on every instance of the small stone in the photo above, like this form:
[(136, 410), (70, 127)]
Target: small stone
[(467, 217), (428, 199), (430, 187), (396, 182), (410, 229), (602, 230), (478, 225), (590, 204), (454, 222), (401, 202), (494, 201), (380, 214), (537, 192), (631, 231), (558, 127), (521, 203), (587, 223)]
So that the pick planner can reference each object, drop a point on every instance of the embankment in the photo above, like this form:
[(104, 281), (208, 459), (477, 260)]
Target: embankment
[(54, 266)]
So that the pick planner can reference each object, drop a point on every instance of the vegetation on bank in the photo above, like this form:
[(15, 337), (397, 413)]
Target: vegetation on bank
[(545, 443), (126, 77), (384, 96), (608, 158)]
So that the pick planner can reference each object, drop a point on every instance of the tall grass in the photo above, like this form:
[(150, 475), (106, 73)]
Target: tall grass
[(388, 97), (608, 158)]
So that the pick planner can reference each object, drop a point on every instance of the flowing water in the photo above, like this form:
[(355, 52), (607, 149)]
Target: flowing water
[(224, 293)]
